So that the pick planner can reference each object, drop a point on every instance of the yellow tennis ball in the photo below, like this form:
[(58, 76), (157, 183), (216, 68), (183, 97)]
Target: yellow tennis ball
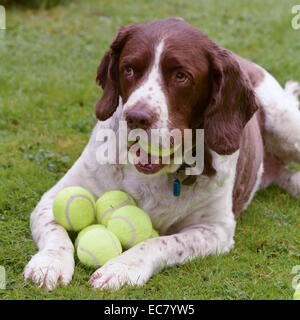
[(109, 202), (74, 208), (154, 234), (131, 225), (158, 151), (83, 231), (296, 295), (97, 245)]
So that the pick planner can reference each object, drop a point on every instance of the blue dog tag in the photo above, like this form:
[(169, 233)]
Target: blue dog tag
[(176, 188)]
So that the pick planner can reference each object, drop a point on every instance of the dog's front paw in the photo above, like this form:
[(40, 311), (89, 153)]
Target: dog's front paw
[(117, 273), (48, 268)]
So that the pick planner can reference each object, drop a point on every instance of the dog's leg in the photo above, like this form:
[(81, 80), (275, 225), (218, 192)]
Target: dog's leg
[(282, 119), (54, 261), (138, 264), (289, 181), (281, 133)]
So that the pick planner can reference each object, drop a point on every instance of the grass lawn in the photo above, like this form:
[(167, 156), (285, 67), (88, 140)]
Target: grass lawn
[(48, 62)]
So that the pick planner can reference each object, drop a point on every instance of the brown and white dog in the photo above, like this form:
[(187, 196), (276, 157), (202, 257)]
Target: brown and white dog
[(168, 74)]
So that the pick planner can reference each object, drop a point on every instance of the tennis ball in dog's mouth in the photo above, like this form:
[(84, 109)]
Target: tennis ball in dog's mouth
[(157, 151)]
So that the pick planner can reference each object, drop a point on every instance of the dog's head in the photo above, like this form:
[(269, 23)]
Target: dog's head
[(171, 75)]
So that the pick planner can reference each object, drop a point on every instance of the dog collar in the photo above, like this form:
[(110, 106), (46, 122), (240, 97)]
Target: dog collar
[(187, 181)]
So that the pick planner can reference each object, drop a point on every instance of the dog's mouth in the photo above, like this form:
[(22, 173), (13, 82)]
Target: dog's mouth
[(149, 159), (148, 167), (145, 162)]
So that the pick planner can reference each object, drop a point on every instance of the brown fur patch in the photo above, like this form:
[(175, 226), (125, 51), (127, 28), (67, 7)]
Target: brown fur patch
[(255, 74), (249, 162)]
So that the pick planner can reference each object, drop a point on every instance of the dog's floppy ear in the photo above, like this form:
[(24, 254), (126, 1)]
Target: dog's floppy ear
[(232, 103), (107, 74)]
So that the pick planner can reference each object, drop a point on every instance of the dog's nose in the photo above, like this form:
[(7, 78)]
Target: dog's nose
[(141, 119)]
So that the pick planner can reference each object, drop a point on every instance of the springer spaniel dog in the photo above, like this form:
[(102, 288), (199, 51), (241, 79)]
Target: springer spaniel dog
[(168, 74)]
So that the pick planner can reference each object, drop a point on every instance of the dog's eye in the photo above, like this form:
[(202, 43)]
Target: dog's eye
[(181, 77), (128, 71)]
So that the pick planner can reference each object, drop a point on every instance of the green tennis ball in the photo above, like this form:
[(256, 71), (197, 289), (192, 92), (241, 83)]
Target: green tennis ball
[(131, 225), (109, 202), (154, 234), (74, 208), (157, 151), (296, 295), (97, 245), (83, 231)]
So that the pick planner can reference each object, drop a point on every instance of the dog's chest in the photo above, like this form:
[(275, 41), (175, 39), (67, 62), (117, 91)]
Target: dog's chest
[(156, 197)]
